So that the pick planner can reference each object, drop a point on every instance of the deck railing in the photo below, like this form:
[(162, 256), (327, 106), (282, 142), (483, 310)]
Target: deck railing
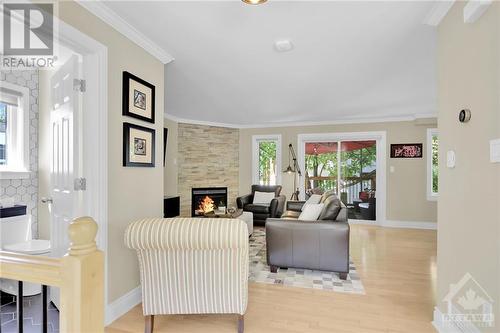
[(79, 275), (351, 187)]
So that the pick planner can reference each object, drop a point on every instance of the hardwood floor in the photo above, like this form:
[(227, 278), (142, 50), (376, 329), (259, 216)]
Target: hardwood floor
[(397, 268)]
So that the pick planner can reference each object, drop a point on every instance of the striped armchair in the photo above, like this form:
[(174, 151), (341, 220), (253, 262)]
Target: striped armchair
[(191, 266)]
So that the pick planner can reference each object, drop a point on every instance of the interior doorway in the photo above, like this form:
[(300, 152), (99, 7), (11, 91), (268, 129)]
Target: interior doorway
[(352, 165), (73, 139)]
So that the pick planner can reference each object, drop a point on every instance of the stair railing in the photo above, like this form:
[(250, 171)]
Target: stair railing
[(79, 274)]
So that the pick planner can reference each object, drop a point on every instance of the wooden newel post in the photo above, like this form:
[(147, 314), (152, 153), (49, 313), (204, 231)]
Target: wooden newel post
[(82, 290)]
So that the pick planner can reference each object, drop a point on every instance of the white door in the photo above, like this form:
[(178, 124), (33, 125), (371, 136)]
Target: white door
[(65, 161)]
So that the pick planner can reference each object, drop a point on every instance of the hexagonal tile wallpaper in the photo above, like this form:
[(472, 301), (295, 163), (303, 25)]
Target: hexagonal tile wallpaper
[(25, 191)]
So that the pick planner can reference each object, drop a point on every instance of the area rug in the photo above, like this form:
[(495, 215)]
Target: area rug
[(301, 278)]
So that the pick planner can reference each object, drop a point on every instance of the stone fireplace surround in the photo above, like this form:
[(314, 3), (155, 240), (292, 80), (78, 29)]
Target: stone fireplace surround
[(208, 156)]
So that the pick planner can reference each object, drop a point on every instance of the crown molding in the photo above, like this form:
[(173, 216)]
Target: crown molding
[(474, 9), (199, 122), (438, 12), (366, 120), (119, 24)]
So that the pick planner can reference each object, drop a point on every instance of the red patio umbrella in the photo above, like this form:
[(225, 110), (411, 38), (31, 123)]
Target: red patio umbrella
[(317, 148)]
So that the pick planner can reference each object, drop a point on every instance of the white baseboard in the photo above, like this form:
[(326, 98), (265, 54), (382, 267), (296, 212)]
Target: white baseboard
[(123, 305), (363, 222), (450, 327), (409, 224), (398, 224)]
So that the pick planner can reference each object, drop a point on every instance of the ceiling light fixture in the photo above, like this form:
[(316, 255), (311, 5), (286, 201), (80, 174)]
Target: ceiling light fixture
[(283, 45), (254, 2)]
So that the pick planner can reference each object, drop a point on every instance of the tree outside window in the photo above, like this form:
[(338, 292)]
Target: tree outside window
[(357, 164), (267, 162), (266, 159), (321, 171), (432, 164), (435, 163)]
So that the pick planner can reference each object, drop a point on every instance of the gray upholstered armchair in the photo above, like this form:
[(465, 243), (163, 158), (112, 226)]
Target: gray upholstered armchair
[(321, 244), (262, 212)]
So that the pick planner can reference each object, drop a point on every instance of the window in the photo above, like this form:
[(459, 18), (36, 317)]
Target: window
[(3, 133), (266, 159), (14, 131), (432, 163)]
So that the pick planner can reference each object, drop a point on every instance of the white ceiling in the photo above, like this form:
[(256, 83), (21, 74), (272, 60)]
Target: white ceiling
[(351, 60)]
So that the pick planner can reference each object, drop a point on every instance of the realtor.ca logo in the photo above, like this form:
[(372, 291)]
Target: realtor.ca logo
[(28, 35), (468, 304)]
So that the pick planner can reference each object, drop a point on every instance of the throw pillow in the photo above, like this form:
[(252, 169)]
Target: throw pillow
[(331, 209), (313, 199), (263, 198), (326, 195), (311, 212)]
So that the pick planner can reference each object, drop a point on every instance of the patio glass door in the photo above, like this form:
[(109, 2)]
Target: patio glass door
[(358, 178), (348, 168)]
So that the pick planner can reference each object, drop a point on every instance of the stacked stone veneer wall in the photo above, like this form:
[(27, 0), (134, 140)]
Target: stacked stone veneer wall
[(25, 191), (208, 156)]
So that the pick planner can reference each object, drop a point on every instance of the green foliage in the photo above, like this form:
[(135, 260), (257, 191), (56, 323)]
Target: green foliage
[(322, 165), (3, 113), (435, 163), (267, 161), (351, 163), (354, 160)]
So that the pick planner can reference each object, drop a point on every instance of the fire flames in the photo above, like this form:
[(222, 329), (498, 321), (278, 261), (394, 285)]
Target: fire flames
[(206, 205)]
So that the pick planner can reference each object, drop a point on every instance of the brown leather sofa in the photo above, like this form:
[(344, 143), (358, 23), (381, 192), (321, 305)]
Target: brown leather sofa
[(320, 245), (262, 212)]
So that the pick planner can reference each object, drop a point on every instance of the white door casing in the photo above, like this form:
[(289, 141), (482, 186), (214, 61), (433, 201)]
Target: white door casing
[(94, 134)]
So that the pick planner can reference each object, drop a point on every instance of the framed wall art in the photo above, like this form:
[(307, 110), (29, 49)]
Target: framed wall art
[(138, 146), (165, 135), (138, 98), (406, 150)]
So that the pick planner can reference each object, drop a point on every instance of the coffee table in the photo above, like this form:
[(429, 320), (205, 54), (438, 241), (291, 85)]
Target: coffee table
[(235, 215), (239, 214)]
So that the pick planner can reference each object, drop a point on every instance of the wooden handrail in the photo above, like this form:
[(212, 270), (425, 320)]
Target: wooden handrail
[(79, 275), (36, 269)]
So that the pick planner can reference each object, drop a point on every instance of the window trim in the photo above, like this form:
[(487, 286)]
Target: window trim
[(255, 156), (20, 169), (431, 196)]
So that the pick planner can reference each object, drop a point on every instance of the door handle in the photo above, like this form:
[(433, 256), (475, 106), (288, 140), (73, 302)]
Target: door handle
[(47, 200)]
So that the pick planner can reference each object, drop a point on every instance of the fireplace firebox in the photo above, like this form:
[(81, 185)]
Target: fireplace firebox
[(208, 199)]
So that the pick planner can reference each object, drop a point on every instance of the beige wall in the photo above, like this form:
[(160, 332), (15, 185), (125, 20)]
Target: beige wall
[(133, 193), (170, 184), (406, 187), (469, 216)]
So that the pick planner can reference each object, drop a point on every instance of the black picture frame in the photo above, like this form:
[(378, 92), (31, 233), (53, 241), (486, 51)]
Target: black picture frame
[(407, 150), (126, 146), (165, 136), (126, 101)]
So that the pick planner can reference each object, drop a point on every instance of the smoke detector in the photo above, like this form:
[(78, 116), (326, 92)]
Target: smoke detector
[(283, 45)]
